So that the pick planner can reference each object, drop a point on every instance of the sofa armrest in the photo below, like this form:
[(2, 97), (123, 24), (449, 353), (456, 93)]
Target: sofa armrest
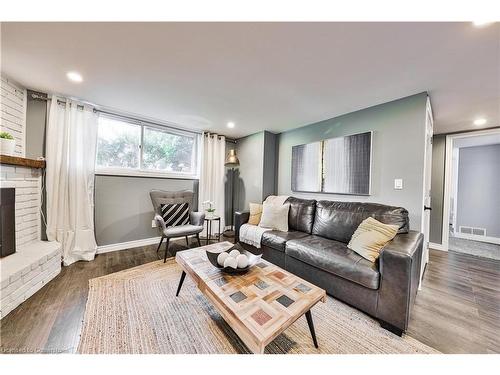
[(240, 218), (399, 268), (196, 218)]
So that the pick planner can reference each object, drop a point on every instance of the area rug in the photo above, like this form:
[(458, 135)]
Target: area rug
[(136, 311)]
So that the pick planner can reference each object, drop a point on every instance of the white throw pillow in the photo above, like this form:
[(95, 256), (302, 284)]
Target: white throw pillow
[(275, 217)]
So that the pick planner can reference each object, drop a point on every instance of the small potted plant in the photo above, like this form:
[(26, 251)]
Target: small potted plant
[(209, 208), (7, 144)]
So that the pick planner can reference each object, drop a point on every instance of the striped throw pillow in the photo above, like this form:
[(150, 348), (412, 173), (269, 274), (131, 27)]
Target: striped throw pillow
[(175, 214)]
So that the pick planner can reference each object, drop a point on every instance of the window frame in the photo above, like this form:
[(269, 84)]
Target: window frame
[(144, 172)]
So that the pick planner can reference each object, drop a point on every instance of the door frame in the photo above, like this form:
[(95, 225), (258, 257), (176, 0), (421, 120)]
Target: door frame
[(426, 186), (448, 175)]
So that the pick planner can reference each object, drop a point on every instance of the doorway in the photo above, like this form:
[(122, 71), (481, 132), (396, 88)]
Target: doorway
[(471, 215)]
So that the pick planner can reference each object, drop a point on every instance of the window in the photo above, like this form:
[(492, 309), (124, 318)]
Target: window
[(118, 144), (136, 148), (164, 151)]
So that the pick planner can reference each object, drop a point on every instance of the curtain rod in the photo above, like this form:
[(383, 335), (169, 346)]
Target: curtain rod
[(230, 140), (38, 96), (41, 96)]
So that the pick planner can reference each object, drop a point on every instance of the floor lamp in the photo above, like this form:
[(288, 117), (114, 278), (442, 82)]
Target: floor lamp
[(231, 162)]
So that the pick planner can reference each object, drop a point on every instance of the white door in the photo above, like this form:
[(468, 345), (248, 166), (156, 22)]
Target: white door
[(426, 209)]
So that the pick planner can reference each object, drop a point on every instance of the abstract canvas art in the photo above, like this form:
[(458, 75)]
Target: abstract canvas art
[(306, 167), (340, 165)]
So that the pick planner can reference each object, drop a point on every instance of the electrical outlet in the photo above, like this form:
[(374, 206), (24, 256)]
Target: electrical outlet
[(153, 224), (398, 184)]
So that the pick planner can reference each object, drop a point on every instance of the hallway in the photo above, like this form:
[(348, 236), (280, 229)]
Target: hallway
[(477, 248)]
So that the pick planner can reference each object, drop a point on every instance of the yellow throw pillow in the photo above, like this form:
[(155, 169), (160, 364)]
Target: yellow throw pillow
[(255, 213), (370, 237)]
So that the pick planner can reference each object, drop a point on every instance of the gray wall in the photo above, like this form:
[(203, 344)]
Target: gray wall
[(229, 180), (36, 118), (36, 114), (478, 196), (398, 152), (256, 176), (270, 162), (250, 151), (123, 209), (437, 188)]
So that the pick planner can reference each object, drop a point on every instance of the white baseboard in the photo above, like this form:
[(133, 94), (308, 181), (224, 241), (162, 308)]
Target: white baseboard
[(127, 245), (436, 246), (474, 237), (131, 244)]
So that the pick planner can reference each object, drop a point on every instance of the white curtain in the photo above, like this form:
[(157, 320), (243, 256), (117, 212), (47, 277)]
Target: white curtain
[(70, 153), (212, 175)]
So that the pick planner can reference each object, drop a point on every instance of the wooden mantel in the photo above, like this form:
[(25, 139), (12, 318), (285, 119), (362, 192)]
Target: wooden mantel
[(22, 162)]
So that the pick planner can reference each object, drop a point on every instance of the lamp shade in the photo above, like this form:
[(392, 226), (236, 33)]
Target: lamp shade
[(231, 159)]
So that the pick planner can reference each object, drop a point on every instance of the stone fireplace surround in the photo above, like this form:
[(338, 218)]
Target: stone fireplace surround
[(35, 262)]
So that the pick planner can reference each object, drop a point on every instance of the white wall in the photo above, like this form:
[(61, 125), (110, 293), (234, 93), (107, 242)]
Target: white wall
[(13, 112)]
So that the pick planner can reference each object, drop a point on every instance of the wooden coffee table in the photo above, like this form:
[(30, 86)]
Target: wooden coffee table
[(258, 305)]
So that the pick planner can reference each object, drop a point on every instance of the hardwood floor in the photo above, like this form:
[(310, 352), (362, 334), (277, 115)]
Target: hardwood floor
[(457, 310)]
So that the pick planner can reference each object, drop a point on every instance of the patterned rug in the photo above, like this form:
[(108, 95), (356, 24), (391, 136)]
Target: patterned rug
[(136, 311)]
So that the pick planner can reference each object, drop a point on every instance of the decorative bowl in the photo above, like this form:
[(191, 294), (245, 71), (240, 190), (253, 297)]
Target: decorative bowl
[(252, 260)]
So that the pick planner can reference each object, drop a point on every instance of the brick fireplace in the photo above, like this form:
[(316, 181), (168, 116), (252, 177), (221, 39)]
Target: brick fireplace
[(34, 262)]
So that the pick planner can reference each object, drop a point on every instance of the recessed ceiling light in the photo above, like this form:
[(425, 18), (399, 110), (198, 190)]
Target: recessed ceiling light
[(74, 76), (230, 124), (479, 121), (481, 23)]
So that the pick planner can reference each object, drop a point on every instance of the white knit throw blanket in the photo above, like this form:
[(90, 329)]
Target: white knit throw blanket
[(252, 234)]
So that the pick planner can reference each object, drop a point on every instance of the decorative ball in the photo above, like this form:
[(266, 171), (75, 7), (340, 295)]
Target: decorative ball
[(234, 253), (221, 258), (242, 260), (231, 262)]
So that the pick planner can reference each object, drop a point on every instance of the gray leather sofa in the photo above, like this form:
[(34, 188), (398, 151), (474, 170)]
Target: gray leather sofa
[(315, 248)]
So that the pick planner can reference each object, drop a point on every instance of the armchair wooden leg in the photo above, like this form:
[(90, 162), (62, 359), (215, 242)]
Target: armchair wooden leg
[(198, 238), (166, 250), (187, 242)]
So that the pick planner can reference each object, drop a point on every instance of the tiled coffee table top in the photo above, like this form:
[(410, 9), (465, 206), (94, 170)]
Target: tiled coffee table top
[(258, 305)]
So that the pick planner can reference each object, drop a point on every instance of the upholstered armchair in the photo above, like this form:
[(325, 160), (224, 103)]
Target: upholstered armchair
[(194, 227)]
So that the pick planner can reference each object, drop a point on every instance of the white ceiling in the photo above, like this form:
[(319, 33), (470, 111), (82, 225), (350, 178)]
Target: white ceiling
[(273, 76)]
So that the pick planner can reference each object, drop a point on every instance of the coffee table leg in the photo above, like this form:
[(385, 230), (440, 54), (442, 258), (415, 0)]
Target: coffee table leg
[(311, 328), (183, 276)]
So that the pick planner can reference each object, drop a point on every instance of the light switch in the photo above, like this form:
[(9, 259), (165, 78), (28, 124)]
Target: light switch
[(153, 224), (398, 184)]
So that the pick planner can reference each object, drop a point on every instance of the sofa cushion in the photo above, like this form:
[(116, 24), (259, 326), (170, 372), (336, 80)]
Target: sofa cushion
[(301, 214), (339, 220), (334, 257), (276, 239), (274, 217), (255, 213)]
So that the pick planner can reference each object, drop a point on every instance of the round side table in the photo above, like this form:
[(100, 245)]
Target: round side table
[(209, 221)]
